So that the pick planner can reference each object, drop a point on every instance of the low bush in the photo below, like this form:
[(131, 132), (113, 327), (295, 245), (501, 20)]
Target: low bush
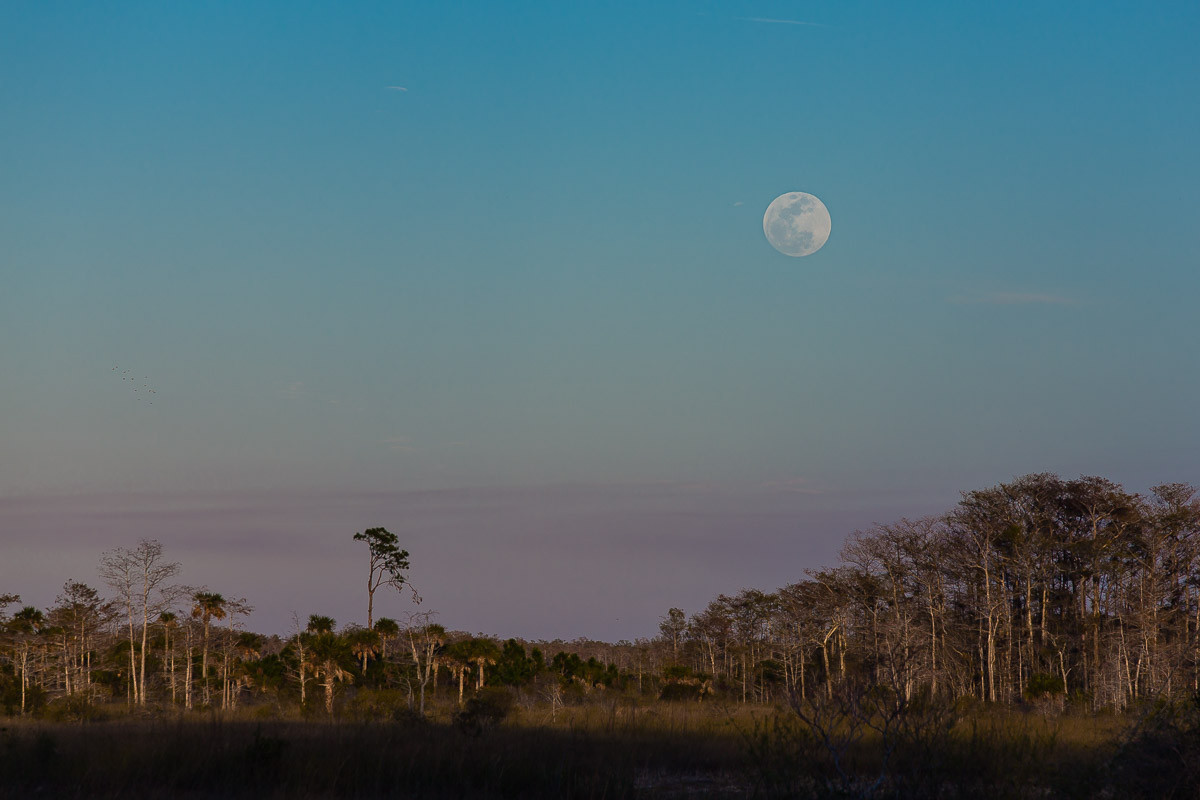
[(485, 710)]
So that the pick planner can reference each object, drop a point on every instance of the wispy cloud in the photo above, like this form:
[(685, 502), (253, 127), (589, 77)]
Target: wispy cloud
[(771, 21), (739, 203), (1012, 299), (790, 485), (398, 88), (293, 390), (400, 443)]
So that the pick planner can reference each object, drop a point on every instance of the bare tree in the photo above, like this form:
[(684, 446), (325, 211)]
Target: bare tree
[(78, 611), (169, 622), (233, 607), (425, 638), (24, 629), (139, 577)]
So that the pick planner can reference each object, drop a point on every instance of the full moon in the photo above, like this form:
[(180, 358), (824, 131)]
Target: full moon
[(796, 224)]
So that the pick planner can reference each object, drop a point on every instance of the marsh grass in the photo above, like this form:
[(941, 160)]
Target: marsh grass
[(587, 755), (618, 749), (984, 753)]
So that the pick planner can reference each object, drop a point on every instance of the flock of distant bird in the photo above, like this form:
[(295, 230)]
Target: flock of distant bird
[(144, 391)]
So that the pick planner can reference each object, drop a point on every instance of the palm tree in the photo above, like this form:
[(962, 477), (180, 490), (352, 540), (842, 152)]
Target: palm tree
[(330, 653), (208, 606), (247, 646), (363, 643), (456, 657), (480, 653), (387, 628)]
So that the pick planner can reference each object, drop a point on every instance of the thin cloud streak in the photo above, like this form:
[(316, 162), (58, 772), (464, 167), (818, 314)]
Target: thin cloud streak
[(1013, 299), (791, 485), (770, 21)]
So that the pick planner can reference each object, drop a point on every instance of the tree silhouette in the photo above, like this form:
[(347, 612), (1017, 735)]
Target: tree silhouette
[(388, 563)]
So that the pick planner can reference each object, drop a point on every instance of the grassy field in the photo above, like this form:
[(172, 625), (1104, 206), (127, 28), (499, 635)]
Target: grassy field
[(598, 750)]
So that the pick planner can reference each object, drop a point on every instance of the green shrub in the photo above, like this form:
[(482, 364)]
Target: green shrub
[(485, 710), (375, 705), (676, 672), (679, 692)]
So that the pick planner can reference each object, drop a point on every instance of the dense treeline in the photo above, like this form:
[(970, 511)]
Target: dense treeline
[(1039, 588)]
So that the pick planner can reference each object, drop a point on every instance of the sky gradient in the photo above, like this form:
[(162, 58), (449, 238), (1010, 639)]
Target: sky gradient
[(522, 312)]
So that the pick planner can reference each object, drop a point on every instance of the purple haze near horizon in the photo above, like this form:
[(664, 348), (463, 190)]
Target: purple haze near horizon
[(540, 563), (548, 562)]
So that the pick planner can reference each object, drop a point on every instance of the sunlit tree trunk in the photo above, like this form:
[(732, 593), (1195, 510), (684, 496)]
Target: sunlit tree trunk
[(188, 679)]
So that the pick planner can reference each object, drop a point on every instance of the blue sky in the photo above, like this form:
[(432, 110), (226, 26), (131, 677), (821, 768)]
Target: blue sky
[(540, 269)]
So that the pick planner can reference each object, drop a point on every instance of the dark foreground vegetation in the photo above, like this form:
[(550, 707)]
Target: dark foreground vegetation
[(1040, 639), (612, 750)]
